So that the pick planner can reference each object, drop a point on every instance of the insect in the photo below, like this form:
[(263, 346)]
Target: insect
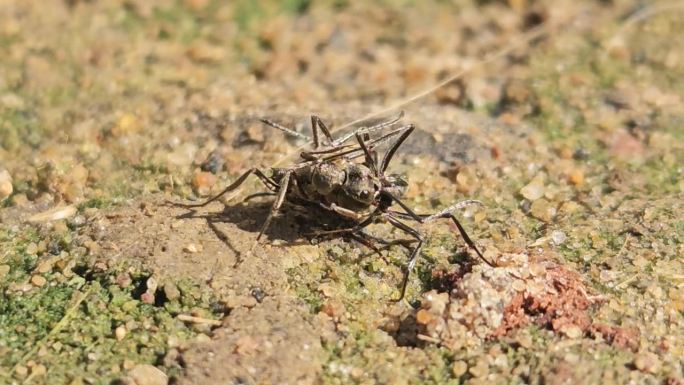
[(360, 192)]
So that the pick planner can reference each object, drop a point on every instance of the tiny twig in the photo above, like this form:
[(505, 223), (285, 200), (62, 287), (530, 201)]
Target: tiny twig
[(198, 320), (626, 281)]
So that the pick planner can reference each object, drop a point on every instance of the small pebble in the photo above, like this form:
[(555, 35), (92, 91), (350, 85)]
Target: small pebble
[(128, 364), (334, 309), (537, 269), (152, 284), (326, 289), (5, 184), (423, 317), (147, 297), (21, 371), (191, 248), (543, 210), (92, 246), (31, 249), (147, 375), (123, 280), (171, 291), (576, 177), (202, 338), (38, 280), (572, 331), (127, 124), (647, 362), (44, 267), (525, 341), (258, 294), (533, 191), (120, 333), (459, 368), (213, 163), (38, 370), (518, 285), (481, 369), (357, 373), (558, 237), (202, 182)]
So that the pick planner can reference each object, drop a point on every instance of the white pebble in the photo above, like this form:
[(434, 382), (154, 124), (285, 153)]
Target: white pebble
[(558, 237)]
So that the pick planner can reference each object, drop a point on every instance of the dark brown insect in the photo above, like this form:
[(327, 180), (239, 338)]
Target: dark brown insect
[(360, 192)]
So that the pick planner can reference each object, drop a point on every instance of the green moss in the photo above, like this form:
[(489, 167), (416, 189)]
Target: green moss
[(184, 26), (246, 13), (26, 318), (296, 6), (97, 203), (19, 129), (72, 321)]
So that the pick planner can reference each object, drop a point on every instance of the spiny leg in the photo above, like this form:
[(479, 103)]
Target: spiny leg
[(446, 214), (359, 226), (282, 192), (265, 179), (314, 131), (390, 153), (362, 239), (386, 244), (414, 253), (316, 121), (257, 195), (369, 156), (405, 243)]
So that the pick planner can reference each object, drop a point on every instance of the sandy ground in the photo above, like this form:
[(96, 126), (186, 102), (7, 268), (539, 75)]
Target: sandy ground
[(566, 123)]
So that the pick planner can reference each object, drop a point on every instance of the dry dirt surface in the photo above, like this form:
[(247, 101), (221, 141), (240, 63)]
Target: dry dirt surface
[(565, 119)]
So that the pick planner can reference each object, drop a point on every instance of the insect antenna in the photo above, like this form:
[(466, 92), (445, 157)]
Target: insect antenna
[(371, 129), (285, 129)]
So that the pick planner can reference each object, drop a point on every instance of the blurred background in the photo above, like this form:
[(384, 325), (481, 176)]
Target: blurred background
[(564, 117)]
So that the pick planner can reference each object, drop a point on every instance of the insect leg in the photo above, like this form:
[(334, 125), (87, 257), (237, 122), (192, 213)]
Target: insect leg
[(346, 212), (414, 253), (259, 194), (315, 120), (364, 240), (314, 131), (390, 153), (387, 244), (351, 214), (369, 156), (266, 180), (284, 183), (446, 214), (228, 189)]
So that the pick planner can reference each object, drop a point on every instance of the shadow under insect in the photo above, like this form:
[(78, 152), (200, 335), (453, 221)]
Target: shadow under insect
[(294, 225)]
